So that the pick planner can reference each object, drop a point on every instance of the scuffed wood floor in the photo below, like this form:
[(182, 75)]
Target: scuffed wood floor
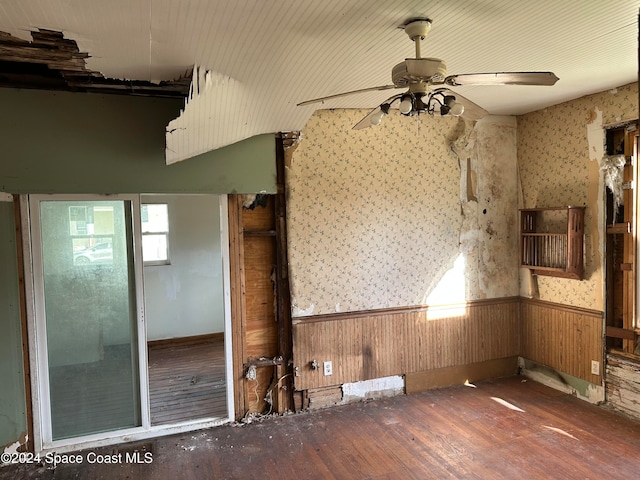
[(187, 382), (503, 429)]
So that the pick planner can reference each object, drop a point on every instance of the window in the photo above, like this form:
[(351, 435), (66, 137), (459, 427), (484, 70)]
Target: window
[(91, 228), (155, 234)]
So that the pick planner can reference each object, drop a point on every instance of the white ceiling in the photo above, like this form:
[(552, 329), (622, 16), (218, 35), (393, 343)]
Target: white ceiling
[(258, 58)]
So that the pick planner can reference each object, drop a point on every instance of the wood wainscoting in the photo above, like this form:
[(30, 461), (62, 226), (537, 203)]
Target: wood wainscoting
[(401, 341), (562, 337)]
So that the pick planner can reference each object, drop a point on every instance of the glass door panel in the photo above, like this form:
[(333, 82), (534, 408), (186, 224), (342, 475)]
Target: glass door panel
[(89, 304)]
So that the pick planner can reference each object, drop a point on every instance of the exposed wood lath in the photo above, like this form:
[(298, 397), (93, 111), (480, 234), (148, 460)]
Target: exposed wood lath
[(52, 62)]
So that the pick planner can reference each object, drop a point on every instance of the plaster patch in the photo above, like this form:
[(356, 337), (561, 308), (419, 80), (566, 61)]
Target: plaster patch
[(6, 197), (595, 135), (528, 284), (596, 140), (15, 446), (296, 311), (372, 389)]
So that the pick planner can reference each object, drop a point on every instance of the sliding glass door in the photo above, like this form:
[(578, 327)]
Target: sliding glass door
[(88, 330), (86, 309)]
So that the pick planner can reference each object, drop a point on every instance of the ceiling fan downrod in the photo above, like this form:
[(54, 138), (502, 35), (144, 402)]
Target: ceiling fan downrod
[(417, 29)]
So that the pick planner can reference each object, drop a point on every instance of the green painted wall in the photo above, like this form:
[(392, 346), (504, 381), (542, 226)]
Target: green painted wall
[(87, 143), (12, 396), (61, 142)]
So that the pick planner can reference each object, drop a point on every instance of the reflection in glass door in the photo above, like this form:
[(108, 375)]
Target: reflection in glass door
[(86, 305)]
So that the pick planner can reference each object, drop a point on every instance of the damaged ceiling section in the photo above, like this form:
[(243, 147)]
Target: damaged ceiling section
[(52, 62), (206, 124), (212, 96)]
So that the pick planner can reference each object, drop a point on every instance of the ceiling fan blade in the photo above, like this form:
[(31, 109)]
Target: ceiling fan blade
[(366, 121), (344, 94), (502, 78)]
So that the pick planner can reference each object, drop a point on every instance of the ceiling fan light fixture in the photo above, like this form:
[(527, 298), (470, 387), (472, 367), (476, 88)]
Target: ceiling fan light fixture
[(376, 118), (457, 109), (445, 104), (449, 106), (406, 104)]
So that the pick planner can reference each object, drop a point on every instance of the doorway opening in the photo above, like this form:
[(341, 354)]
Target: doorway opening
[(185, 315)]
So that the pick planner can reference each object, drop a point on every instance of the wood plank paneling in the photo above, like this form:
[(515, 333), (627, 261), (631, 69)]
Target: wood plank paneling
[(261, 331), (374, 344), (564, 338)]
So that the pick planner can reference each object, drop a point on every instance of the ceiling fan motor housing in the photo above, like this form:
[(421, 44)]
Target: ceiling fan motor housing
[(416, 70)]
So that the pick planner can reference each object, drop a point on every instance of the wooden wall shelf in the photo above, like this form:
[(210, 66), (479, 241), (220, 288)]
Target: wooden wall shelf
[(551, 241)]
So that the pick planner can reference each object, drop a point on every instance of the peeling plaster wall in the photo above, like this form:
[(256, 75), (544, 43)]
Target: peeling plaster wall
[(558, 158), (393, 216), (488, 194), (562, 381)]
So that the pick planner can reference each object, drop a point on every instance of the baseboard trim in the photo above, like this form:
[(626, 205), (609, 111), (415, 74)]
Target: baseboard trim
[(459, 374)]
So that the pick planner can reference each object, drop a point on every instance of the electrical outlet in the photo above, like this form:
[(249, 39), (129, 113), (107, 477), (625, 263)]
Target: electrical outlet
[(328, 368), (595, 367)]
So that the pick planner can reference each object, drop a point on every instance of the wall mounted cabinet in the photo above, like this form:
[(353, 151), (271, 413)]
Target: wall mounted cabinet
[(551, 241)]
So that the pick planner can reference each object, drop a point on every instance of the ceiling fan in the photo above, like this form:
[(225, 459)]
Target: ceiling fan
[(427, 84)]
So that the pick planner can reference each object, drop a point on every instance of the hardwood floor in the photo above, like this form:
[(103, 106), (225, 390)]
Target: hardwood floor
[(187, 382), (503, 429)]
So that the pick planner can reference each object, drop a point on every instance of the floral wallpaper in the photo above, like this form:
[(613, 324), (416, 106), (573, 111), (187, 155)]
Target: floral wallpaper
[(557, 167), (382, 217)]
